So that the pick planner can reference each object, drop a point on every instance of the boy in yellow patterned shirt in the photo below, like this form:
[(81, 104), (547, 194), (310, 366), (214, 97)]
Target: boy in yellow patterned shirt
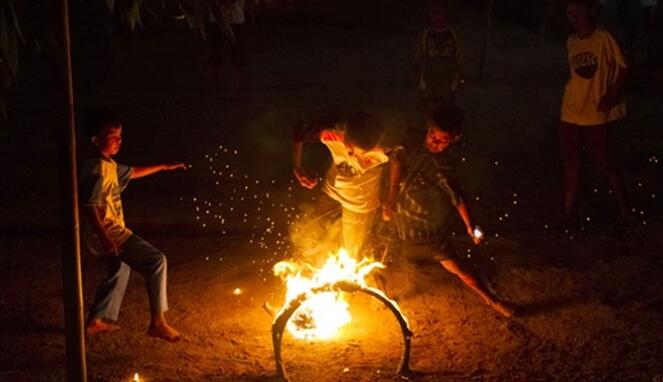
[(102, 181)]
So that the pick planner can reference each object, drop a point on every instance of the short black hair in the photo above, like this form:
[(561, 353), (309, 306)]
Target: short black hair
[(590, 4), (449, 118), (364, 130), (440, 3), (99, 119)]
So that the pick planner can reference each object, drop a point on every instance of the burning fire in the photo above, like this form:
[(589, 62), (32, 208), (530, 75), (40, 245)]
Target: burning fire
[(322, 314)]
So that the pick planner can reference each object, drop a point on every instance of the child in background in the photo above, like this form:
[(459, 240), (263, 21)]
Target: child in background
[(592, 102), (226, 42), (439, 58), (352, 183), (427, 189), (102, 181)]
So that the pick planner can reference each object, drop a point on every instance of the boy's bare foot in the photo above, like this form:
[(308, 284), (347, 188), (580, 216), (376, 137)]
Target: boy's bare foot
[(502, 309), (97, 326), (164, 331)]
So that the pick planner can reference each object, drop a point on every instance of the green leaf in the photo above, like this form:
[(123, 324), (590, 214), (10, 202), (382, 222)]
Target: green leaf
[(133, 14), (111, 5)]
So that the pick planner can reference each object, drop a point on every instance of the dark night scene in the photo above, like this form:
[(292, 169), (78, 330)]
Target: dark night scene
[(331, 190)]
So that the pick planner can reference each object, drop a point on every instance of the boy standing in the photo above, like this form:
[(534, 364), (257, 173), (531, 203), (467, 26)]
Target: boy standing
[(427, 188), (439, 58), (102, 181), (592, 102), (353, 180)]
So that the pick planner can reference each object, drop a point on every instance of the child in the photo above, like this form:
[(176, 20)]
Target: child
[(592, 102), (102, 181), (439, 58), (353, 180), (225, 37), (427, 188)]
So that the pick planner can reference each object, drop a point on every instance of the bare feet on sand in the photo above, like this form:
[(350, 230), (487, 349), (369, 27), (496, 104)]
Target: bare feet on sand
[(164, 331), (97, 326), (502, 309)]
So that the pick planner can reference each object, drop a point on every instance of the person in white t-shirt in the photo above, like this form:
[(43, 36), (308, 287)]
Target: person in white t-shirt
[(353, 180), (592, 102)]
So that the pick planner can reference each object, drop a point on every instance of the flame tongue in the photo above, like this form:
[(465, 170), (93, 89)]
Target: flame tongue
[(322, 314)]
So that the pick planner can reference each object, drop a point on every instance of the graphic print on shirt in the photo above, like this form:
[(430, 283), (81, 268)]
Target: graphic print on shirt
[(436, 47), (345, 169), (585, 64)]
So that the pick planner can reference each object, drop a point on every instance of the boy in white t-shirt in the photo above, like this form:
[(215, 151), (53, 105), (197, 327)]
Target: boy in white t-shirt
[(592, 101), (353, 180)]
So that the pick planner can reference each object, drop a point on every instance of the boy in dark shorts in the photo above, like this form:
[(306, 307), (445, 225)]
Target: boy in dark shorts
[(427, 188), (225, 32), (591, 104), (439, 58), (103, 228)]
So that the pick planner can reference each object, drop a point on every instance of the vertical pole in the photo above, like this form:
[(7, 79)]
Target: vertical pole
[(486, 36), (71, 251)]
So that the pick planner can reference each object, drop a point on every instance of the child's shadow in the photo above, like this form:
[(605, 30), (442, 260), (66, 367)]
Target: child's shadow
[(546, 306)]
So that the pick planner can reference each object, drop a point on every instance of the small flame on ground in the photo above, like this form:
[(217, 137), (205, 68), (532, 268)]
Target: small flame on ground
[(322, 314), (237, 291), (136, 379)]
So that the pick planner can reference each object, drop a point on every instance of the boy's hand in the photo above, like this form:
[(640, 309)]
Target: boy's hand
[(174, 166), (608, 101), (111, 247), (387, 211), (476, 239), (303, 178)]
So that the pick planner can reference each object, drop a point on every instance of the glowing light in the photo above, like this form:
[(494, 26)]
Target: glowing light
[(322, 314), (237, 291), (478, 233), (136, 378)]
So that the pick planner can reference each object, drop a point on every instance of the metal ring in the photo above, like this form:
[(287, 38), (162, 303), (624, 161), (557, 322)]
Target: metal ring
[(278, 327)]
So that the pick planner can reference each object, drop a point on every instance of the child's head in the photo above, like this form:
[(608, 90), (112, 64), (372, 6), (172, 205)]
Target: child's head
[(444, 128), (579, 13), (104, 129), (438, 13), (364, 130)]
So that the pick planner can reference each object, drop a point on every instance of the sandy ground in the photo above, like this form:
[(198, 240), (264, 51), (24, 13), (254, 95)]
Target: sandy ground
[(589, 303)]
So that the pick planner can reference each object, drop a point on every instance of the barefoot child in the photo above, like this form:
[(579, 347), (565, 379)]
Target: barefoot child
[(592, 103), (102, 181), (426, 188), (352, 183), (439, 58)]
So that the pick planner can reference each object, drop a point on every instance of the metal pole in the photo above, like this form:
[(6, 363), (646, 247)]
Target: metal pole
[(72, 292), (486, 37)]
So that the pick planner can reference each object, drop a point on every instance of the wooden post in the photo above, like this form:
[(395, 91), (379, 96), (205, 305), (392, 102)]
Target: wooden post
[(72, 291), (486, 36)]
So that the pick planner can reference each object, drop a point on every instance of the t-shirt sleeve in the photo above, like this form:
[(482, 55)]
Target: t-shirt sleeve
[(91, 184), (124, 175), (309, 132), (613, 51)]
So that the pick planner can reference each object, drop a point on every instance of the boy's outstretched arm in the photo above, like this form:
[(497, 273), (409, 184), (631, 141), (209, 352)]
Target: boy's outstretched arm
[(465, 216), (139, 172), (310, 133), (94, 214)]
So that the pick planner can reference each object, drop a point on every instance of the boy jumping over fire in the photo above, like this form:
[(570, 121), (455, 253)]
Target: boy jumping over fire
[(352, 184), (426, 187), (102, 181)]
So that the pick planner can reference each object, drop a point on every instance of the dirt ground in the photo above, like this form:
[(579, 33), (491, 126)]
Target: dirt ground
[(590, 303)]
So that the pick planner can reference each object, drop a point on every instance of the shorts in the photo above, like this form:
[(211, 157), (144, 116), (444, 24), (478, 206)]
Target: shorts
[(594, 139), (223, 51), (419, 252)]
